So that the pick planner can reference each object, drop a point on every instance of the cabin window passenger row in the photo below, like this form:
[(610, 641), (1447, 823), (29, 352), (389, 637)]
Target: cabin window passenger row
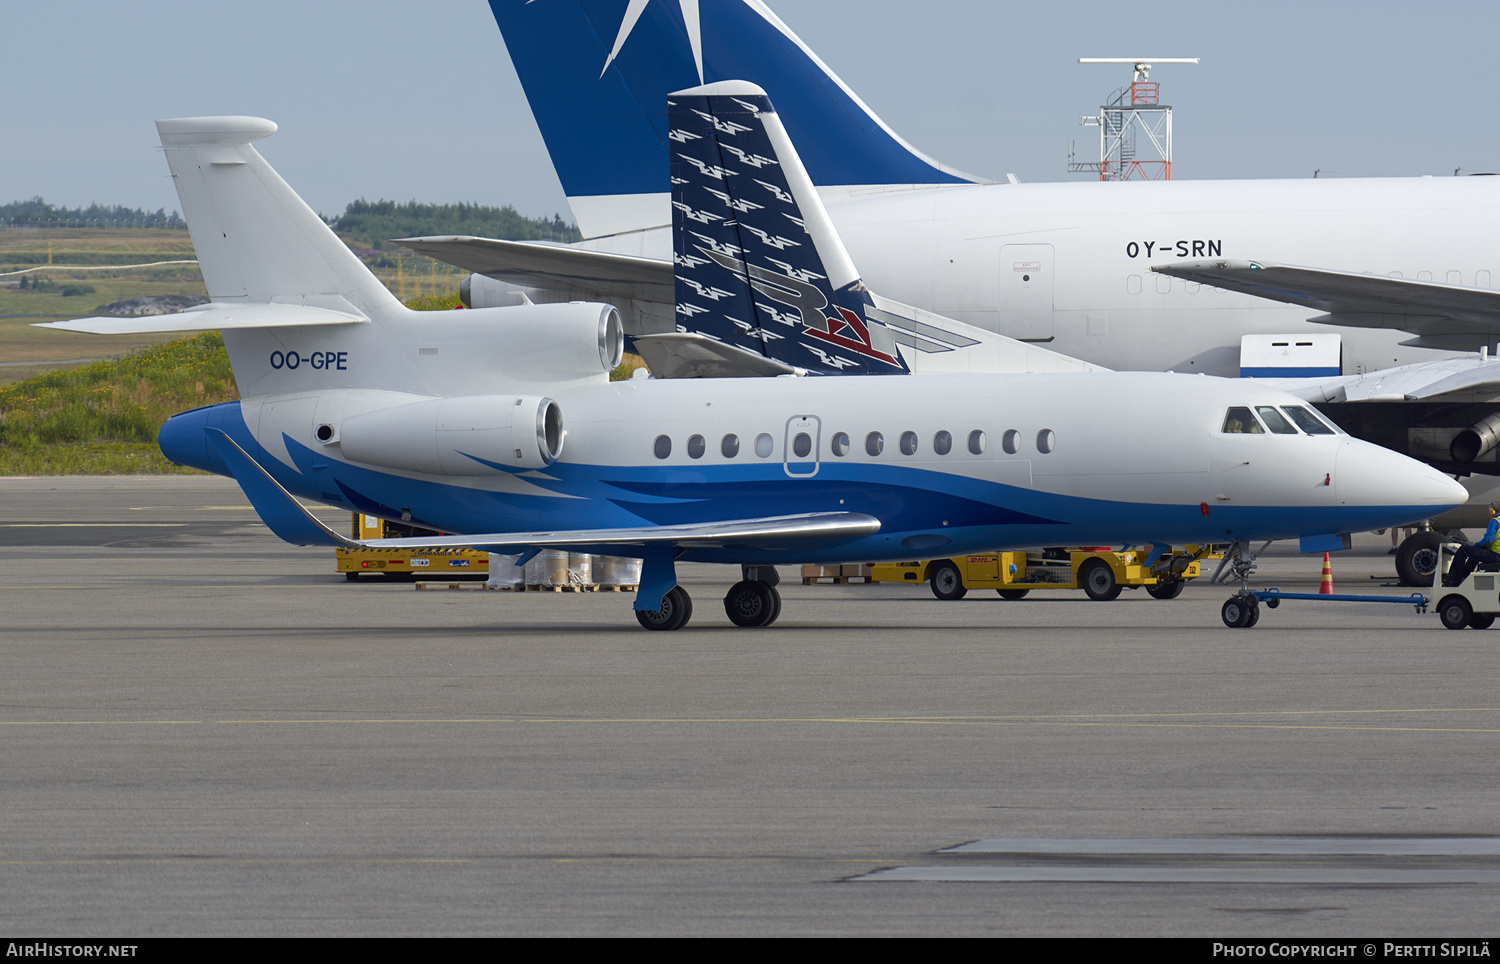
[(840, 444)]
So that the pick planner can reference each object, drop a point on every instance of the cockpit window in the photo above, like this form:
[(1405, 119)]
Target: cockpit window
[(1307, 421), (1274, 420), (1239, 421)]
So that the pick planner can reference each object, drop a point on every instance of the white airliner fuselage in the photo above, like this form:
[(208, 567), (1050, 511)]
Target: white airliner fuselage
[(1068, 264)]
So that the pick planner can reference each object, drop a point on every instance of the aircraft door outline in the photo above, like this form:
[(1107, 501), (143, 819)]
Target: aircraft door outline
[(802, 450), (1025, 308)]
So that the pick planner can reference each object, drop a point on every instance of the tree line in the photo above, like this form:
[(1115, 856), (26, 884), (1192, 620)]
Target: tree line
[(377, 221), (39, 213), (371, 221)]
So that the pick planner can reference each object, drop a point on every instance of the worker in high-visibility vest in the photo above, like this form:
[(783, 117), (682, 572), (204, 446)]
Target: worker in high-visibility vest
[(1487, 549)]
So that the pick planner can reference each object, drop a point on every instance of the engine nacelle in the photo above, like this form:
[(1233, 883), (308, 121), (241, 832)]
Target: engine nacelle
[(466, 435), (527, 350), (640, 315), (1475, 440)]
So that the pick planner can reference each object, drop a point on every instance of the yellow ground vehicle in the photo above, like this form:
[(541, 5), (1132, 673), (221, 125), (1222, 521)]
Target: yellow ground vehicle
[(406, 563), (1101, 574)]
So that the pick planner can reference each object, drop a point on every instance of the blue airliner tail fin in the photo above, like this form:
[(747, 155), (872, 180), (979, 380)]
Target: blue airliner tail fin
[(597, 74)]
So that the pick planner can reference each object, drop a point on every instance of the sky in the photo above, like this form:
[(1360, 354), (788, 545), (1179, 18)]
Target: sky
[(407, 100)]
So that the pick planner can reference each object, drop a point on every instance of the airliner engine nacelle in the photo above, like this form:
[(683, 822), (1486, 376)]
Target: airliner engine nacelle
[(640, 315), (467, 435), (549, 345), (1476, 440)]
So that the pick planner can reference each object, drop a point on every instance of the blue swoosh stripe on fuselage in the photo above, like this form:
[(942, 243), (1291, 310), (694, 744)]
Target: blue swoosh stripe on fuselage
[(912, 503)]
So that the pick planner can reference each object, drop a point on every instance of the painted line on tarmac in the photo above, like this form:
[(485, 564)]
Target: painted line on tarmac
[(865, 721), (1379, 846), (93, 525), (1186, 875)]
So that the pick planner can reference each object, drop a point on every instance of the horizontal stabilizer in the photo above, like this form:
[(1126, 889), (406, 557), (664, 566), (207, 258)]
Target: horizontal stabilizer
[(1440, 315), (689, 355), (933, 344), (218, 316), (287, 517), (546, 265)]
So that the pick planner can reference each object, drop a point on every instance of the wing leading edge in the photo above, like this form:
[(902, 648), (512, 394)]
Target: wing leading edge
[(1440, 316)]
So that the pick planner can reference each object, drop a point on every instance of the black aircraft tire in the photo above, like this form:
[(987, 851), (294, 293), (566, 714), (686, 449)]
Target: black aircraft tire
[(1416, 559), (751, 604), (1013, 593), (1235, 612), (676, 609), (1481, 620), (776, 605)]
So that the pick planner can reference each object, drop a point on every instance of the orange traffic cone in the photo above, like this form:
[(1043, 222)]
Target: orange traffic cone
[(1325, 588)]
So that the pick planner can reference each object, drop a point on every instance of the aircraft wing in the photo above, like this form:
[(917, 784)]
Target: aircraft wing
[(216, 316), (1441, 316), (290, 520), (1472, 378), (542, 264)]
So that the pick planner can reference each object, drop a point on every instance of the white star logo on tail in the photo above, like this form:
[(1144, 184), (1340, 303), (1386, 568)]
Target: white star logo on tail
[(633, 13)]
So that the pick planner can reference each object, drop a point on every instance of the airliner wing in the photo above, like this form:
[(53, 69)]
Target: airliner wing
[(287, 517), (1471, 378), (543, 264), (1441, 316)]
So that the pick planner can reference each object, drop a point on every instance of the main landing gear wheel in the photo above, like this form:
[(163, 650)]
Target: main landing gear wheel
[(1166, 588), (749, 603), (1098, 580), (676, 609), (1455, 612), (947, 583), (1481, 621), (1240, 612), (1013, 593)]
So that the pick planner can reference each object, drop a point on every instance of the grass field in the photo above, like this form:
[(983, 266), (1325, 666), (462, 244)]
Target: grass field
[(26, 350), (73, 403), (77, 404)]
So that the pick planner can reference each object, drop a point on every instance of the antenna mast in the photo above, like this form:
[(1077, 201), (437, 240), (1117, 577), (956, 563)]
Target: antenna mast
[(1133, 111)]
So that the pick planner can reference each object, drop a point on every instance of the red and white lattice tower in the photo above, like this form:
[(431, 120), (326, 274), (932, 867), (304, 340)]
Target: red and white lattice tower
[(1135, 128)]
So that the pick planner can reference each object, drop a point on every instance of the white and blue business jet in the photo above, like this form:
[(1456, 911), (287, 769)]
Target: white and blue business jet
[(501, 425)]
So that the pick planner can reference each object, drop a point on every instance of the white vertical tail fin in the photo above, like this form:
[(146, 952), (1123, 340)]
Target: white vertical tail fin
[(257, 241)]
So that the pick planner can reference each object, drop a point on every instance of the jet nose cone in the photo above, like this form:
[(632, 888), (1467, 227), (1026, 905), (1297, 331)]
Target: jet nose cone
[(1369, 475)]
